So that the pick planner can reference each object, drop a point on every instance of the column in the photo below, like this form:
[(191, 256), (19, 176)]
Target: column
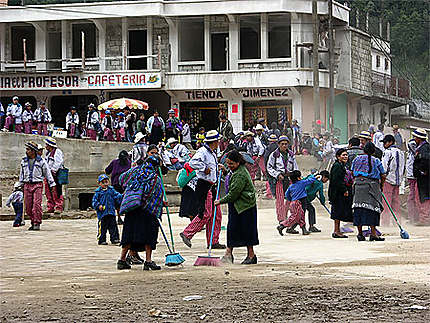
[(124, 41), (173, 40), (233, 36), (207, 45), (2, 45), (101, 27), (236, 118), (64, 38), (264, 42), (150, 60), (40, 45), (297, 106)]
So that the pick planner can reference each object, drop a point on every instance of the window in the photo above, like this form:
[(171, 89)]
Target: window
[(250, 37), (191, 40), (90, 40), (18, 33), (387, 64), (137, 43), (378, 61), (279, 28)]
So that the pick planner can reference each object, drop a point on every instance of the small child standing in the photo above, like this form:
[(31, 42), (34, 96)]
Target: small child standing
[(16, 199), (296, 194), (106, 201)]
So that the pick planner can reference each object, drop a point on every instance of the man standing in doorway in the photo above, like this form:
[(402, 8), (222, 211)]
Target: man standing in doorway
[(34, 170), (422, 174), (42, 117), (226, 132), (393, 161), (55, 160)]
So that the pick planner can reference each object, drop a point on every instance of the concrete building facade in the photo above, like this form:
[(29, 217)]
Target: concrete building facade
[(248, 59)]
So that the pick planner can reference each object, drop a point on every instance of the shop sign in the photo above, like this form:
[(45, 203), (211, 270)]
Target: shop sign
[(204, 94), (81, 81), (264, 93)]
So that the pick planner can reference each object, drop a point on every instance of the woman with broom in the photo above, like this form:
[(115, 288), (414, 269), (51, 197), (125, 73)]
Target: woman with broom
[(140, 230), (242, 210), (369, 178)]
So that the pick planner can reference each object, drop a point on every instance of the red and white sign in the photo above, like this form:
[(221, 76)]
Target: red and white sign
[(80, 81)]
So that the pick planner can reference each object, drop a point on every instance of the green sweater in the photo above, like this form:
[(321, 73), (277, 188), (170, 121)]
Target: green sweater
[(241, 191)]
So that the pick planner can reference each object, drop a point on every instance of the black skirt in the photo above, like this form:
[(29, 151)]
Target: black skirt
[(140, 228), (156, 136), (242, 228), (189, 205), (341, 209), (364, 216)]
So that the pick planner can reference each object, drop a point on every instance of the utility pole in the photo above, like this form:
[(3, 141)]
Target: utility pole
[(331, 65), (316, 96)]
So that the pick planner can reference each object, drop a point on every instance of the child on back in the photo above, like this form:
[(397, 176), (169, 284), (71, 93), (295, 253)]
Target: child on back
[(106, 201), (16, 199), (296, 194)]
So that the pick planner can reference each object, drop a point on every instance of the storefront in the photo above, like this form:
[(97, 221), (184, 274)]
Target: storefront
[(60, 91)]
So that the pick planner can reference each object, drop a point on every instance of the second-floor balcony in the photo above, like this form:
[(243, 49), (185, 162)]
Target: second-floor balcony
[(383, 84)]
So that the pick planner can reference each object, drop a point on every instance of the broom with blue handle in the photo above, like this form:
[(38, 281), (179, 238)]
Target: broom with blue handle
[(173, 258), (403, 233)]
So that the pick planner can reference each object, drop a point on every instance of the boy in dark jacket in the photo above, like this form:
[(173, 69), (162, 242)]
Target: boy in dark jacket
[(106, 201)]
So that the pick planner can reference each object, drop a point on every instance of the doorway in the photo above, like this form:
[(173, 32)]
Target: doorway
[(219, 43), (54, 51), (137, 46)]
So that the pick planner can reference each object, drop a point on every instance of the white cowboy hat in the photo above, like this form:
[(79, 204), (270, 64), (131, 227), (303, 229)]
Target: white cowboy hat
[(211, 135), (259, 127), (248, 133), (139, 136), (419, 133), (172, 140), (51, 142)]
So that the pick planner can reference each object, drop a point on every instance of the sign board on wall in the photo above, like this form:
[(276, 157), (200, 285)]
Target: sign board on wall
[(243, 93), (80, 81)]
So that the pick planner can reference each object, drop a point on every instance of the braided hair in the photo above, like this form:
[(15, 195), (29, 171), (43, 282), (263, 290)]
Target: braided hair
[(369, 149)]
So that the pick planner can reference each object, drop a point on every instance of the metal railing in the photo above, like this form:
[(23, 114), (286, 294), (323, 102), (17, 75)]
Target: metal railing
[(391, 85)]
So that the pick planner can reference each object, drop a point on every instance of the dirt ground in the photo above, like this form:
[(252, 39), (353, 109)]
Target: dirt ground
[(60, 275)]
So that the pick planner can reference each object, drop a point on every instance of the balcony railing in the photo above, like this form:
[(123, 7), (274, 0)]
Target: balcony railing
[(391, 85)]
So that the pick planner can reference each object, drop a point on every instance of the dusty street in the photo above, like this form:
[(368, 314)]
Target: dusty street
[(61, 274)]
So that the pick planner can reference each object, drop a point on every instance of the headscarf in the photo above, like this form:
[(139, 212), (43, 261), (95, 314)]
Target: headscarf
[(123, 158)]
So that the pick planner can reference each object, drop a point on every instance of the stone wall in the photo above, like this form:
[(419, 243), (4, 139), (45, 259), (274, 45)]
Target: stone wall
[(113, 44), (361, 62), (218, 24), (160, 28), (265, 65)]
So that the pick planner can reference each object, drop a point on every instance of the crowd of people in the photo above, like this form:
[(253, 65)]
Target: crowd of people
[(361, 177)]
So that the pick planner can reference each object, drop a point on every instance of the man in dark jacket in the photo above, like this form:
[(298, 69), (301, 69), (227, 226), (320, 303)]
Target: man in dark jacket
[(353, 150), (226, 132), (421, 171)]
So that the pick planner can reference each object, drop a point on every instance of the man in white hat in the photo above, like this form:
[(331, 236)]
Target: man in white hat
[(260, 133), (42, 116), (13, 116), (34, 170), (176, 156), (205, 163), (421, 170), (255, 149), (93, 122), (55, 160), (281, 162), (140, 150), (72, 123), (27, 118), (365, 137)]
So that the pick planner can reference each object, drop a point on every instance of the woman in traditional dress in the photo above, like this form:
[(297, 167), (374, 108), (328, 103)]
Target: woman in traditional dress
[(242, 210), (140, 230), (339, 193), (369, 178)]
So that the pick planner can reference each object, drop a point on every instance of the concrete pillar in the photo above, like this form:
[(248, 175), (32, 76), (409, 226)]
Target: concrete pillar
[(173, 40), (124, 40), (297, 106), (207, 44), (64, 42), (264, 36), (40, 45), (237, 117), (295, 39), (233, 43), (150, 60), (2, 46), (101, 27)]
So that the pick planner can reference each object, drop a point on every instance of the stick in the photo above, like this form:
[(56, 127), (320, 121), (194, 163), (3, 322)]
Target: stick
[(167, 209), (213, 222)]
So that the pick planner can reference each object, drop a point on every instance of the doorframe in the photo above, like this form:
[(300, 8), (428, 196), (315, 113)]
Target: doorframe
[(226, 48)]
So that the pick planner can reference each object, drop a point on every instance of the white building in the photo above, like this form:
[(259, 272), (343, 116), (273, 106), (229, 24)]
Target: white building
[(247, 59)]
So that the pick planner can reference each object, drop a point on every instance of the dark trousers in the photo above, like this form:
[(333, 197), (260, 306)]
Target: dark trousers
[(311, 213), (108, 222), (202, 189), (17, 207)]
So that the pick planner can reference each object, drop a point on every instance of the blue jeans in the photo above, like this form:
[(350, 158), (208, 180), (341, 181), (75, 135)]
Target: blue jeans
[(18, 208)]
